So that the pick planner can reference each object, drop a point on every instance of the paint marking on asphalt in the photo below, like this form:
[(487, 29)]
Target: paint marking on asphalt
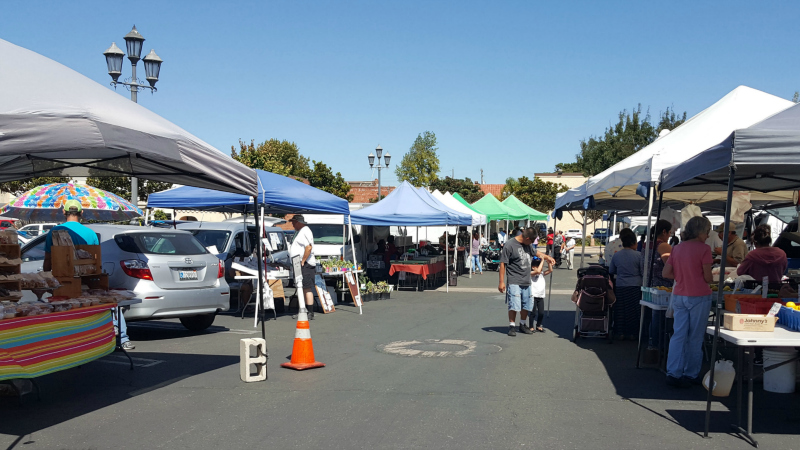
[(406, 348), (137, 362), (176, 326)]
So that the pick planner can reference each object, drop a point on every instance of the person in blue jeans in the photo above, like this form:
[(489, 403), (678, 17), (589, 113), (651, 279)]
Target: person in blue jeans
[(515, 267), (476, 253), (80, 235), (689, 265)]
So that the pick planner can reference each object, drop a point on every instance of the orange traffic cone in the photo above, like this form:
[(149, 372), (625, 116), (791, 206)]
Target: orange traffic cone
[(303, 349)]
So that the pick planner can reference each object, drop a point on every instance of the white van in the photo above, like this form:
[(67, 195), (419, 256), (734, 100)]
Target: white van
[(331, 239)]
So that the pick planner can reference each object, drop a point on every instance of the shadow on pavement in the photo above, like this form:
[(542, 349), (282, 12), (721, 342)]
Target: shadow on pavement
[(75, 392), (773, 413)]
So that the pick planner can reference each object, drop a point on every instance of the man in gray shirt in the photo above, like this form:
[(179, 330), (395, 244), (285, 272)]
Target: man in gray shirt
[(515, 263)]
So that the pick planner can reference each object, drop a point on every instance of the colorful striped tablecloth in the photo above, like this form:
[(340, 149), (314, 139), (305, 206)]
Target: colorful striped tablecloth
[(37, 345)]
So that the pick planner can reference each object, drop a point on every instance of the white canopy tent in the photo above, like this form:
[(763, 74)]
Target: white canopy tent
[(615, 188), (452, 203)]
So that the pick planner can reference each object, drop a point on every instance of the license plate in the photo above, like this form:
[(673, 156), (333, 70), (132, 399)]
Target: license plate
[(186, 275)]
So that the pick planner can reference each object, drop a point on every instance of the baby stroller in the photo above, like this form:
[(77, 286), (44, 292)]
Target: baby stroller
[(593, 297), (491, 256)]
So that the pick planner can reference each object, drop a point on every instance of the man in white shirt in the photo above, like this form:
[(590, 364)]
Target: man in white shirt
[(303, 247), (501, 237), (569, 251)]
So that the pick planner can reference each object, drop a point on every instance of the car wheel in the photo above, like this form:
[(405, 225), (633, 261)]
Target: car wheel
[(198, 323)]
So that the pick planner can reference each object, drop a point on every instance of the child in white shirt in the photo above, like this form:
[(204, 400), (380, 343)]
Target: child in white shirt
[(538, 287)]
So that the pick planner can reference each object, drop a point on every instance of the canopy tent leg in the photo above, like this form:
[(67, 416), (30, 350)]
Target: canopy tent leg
[(553, 251), (353, 251), (147, 216), (471, 268), (583, 240), (647, 263), (720, 300), (447, 258), (658, 217), (260, 255)]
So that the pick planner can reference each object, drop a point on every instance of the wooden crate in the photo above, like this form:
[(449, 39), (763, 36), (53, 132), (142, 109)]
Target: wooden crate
[(64, 261), (11, 285), (11, 250), (71, 286)]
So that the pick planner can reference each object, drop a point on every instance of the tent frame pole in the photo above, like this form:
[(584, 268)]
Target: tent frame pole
[(355, 262), (260, 255), (583, 240), (647, 263), (447, 258), (720, 302), (553, 251)]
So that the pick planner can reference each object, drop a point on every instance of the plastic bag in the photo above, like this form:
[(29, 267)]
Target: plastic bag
[(740, 205), (688, 212)]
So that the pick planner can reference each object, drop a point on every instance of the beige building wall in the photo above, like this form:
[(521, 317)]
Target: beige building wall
[(571, 219)]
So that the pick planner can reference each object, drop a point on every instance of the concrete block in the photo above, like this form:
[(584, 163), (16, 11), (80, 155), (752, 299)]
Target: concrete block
[(252, 360)]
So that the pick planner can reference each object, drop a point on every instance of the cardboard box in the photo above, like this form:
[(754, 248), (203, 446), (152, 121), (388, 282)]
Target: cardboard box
[(749, 322)]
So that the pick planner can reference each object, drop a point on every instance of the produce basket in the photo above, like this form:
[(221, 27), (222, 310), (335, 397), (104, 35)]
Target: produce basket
[(732, 301), (789, 318), (756, 305), (656, 296)]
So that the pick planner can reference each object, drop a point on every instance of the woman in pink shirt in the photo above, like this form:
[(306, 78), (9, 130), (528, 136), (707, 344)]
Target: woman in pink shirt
[(689, 265)]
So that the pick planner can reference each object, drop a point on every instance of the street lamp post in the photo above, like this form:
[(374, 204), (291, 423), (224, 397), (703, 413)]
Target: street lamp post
[(387, 157), (152, 66)]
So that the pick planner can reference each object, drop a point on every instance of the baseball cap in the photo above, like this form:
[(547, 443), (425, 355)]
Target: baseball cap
[(72, 206), (721, 227), (298, 218)]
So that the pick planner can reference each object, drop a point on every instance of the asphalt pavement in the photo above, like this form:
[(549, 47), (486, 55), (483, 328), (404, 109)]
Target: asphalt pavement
[(421, 370)]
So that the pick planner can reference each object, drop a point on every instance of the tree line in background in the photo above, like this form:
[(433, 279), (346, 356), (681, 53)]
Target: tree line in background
[(284, 158), (632, 132)]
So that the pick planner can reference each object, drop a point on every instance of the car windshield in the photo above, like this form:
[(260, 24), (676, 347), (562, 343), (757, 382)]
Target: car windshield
[(217, 238), (327, 233), (34, 253), (160, 243)]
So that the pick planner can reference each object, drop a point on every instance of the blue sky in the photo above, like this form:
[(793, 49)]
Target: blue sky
[(508, 87)]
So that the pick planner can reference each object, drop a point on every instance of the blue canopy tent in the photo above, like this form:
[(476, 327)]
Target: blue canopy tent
[(409, 206), (406, 206), (277, 194)]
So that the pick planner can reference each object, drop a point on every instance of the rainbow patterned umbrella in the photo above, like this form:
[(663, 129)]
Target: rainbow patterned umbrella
[(43, 204)]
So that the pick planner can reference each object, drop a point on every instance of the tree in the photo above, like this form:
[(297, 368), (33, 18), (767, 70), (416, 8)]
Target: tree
[(161, 215), (536, 193), (632, 132), (18, 187), (122, 186), (572, 167), (796, 97), (281, 157), (322, 177), (466, 188), (420, 165)]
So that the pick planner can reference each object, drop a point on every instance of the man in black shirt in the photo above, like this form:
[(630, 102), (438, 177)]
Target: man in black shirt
[(515, 264)]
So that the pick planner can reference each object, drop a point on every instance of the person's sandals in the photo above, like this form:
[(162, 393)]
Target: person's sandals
[(540, 329)]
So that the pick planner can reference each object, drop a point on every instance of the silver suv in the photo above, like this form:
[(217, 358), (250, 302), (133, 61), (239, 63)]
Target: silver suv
[(173, 274)]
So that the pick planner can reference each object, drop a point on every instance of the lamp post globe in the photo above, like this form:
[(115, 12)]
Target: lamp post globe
[(114, 61), (378, 153), (387, 157), (371, 159), (134, 41), (152, 66)]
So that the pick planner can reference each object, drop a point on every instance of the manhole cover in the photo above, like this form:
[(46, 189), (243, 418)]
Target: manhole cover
[(438, 348)]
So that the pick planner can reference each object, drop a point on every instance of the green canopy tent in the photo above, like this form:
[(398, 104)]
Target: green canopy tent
[(458, 197), (516, 204), (493, 209)]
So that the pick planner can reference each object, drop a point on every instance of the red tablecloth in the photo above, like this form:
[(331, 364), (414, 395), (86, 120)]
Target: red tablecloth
[(419, 269)]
